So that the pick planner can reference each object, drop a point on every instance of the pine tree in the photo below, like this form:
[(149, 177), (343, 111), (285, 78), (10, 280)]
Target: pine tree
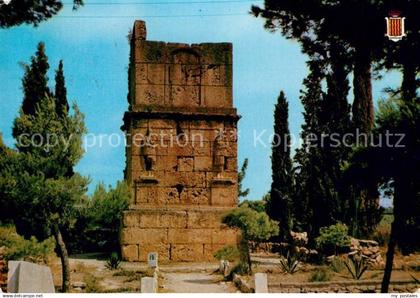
[(35, 81), (42, 194), (242, 193), (62, 104), (32, 12), (279, 205), (314, 23)]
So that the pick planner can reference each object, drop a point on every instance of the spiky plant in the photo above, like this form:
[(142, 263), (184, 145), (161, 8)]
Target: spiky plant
[(290, 264), (356, 266)]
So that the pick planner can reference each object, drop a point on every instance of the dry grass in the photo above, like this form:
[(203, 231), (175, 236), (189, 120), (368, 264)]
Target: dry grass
[(131, 275), (92, 283)]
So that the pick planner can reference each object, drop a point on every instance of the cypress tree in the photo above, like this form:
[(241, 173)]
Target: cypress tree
[(35, 81), (310, 204), (279, 205), (62, 106)]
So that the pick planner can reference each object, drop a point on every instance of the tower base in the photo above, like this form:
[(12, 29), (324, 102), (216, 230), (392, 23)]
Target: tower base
[(176, 234)]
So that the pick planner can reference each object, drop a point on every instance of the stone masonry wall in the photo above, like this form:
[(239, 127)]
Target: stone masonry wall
[(182, 149)]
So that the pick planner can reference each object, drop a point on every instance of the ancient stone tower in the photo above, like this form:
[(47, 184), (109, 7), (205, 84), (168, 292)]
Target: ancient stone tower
[(181, 149)]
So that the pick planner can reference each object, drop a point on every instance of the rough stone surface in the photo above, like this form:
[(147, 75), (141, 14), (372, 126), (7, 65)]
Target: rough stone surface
[(148, 285), (25, 277), (181, 149), (261, 283)]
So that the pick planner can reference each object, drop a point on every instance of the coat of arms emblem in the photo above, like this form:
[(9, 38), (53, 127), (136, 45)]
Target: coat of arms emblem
[(395, 26)]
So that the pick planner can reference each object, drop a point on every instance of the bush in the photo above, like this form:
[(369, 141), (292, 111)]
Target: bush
[(113, 261), (229, 253), (254, 225), (382, 234), (332, 238), (320, 274), (240, 269), (98, 220), (19, 248), (337, 265)]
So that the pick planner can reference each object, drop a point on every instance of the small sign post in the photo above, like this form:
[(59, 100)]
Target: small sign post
[(152, 259)]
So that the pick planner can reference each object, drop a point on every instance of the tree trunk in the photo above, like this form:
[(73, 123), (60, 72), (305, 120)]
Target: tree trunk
[(362, 109), (409, 83), (389, 259), (65, 266)]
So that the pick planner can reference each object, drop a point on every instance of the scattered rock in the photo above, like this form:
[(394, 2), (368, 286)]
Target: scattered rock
[(79, 284)]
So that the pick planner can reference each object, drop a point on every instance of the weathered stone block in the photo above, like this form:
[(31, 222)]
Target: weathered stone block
[(131, 219), (185, 74), (150, 51), (163, 219), (180, 148), (162, 249), (261, 283), (231, 164), (147, 195), (202, 148), (25, 277), (203, 163), (198, 196), (156, 73), (137, 235), (185, 236), (185, 164), (141, 73), (148, 285), (130, 252), (181, 96), (186, 179), (167, 163), (204, 219), (150, 94), (217, 97), (223, 196), (225, 236), (187, 252)]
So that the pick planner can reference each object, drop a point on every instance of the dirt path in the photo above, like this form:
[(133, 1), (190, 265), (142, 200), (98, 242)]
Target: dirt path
[(195, 282)]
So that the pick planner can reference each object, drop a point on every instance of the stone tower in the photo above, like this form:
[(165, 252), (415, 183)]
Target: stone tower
[(181, 149)]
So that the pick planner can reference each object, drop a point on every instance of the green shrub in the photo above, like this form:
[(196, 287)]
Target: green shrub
[(98, 220), (332, 238), (241, 269), (356, 266), (113, 261), (290, 264), (229, 252), (19, 248), (320, 274), (254, 225)]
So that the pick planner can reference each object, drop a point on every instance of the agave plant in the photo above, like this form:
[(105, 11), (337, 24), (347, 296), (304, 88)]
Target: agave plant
[(113, 261), (290, 264), (356, 265)]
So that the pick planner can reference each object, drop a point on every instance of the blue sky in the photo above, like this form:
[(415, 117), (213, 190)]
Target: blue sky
[(93, 44)]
